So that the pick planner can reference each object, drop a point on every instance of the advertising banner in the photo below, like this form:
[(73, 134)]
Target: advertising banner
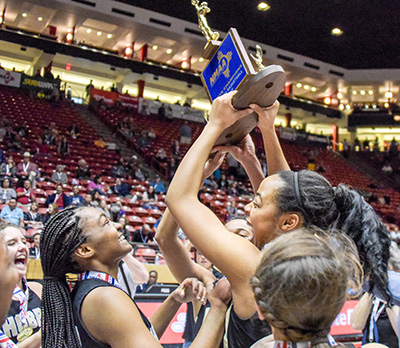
[(37, 83), (10, 78), (100, 94)]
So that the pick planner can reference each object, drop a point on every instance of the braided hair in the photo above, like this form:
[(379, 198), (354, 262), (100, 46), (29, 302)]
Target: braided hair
[(302, 281), (60, 238), (343, 209)]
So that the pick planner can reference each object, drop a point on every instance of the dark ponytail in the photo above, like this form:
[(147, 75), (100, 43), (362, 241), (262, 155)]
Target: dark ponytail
[(60, 238), (361, 223), (341, 208)]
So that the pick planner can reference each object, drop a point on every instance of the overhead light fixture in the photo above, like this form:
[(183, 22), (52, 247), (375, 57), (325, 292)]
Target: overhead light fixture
[(263, 6), (341, 107), (313, 89), (337, 32), (354, 92), (88, 31), (299, 85), (386, 105), (185, 64), (128, 52), (340, 95), (347, 107), (24, 15), (362, 92), (389, 95), (306, 87), (109, 36), (201, 59), (327, 100), (169, 50), (370, 92), (99, 33), (155, 47), (40, 19)]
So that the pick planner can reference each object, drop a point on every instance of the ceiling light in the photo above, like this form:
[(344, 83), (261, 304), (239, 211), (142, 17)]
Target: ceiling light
[(374, 106), (24, 15), (40, 19), (99, 33), (89, 31), (263, 6), (362, 92), (299, 85), (337, 32), (169, 50), (313, 89), (354, 92), (386, 105), (327, 100), (185, 64), (366, 106), (155, 47), (370, 92), (341, 107), (389, 95), (306, 87), (347, 107), (109, 36)]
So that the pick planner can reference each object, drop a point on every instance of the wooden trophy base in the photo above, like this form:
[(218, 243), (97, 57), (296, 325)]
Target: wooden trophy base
[(262, 89)]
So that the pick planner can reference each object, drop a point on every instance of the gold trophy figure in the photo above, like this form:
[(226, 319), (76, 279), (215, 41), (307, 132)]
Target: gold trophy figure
[(202, 10)]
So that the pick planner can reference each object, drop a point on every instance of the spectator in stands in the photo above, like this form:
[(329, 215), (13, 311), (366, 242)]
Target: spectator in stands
[(2, 157), (176, 150), (3, 130), (387, 169), (100, 143), (161, 112), (75, 198), (22, 130), (6, 191), (149, 198), (161, 156), (73, 131), (143, 235), (89, 88), (122, 189), (58, 197), (59, 176), (34, 252), (40, 149), (48, 137), (63, 146), (376, 144), (153, 277), (95, 185), (83, 170), (25, 194), (8, 169), (366, 144), (158, 185), (13, 214), (32, 218), (172, 165), (231, 209), (186, 133), (151, 134), (123, 221), (142, 140), (51, 211), (27, 169), (120, 169), (104, 207), (88, 200), (96, 198), (357, 144)]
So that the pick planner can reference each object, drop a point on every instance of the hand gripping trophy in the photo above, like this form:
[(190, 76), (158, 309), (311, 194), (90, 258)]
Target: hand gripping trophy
[(230, 68)]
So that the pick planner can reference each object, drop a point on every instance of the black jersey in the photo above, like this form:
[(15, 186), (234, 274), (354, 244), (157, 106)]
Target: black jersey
[(81, 290), (13, 326)]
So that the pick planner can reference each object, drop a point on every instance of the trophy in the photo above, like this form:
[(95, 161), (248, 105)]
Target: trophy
[(230, 68)]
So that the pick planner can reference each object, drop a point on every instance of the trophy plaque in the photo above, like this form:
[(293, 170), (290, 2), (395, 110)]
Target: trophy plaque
[(230, 68)]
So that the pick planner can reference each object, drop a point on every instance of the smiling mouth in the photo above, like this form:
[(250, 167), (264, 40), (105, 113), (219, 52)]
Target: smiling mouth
[(20, 260)]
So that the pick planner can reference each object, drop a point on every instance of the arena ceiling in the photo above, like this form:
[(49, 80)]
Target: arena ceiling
[(371, 28)]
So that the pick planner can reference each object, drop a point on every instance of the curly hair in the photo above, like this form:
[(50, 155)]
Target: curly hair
[(343, 209), (302, 282), (61, 236)]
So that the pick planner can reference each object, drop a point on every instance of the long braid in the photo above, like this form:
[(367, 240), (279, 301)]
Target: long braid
[(60, 238)]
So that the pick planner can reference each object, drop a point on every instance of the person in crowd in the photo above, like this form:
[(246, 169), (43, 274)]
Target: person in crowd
[(88, 200), (40, 149), (100, 143), (122, 189), (26, 194), (76, 198), (149, 198), (186, 133), (34, 251), (32, 218), (104, 208), (96, 199), (158, 185), (51, 211), (302, 283), (387, 169), (153, 277), (12, 214), (83, 240), (73, 131), (284, 202), (9, 278), (95, 185), (58, 197), (123, 221), (120, 170), (23, 323), (143, 235), (231, 209), (83, 170), (59, 176), (372, 315), (63, 146), (48, 137), (27, 169), (161, 156), (176, 150), (6, 191), (8, 168), (172, 165)]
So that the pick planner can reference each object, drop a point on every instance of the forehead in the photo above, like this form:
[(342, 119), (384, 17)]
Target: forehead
[(10, 233), (270, 186)]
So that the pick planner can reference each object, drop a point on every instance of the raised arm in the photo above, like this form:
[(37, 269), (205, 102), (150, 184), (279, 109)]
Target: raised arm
[(203, 228), (275, 158)]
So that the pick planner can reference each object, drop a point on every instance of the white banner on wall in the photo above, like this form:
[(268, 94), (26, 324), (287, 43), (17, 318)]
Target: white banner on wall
[(10, 78)]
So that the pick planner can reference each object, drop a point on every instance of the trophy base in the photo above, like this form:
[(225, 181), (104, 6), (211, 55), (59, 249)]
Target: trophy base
[(262, 89), (211, 48)]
